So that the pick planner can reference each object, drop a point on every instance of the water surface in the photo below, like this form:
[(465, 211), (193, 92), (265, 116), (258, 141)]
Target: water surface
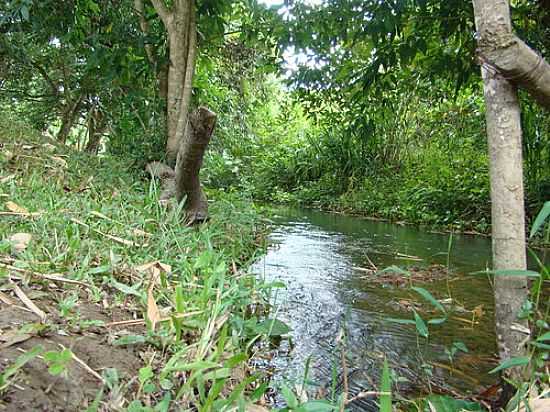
[(329, 301)]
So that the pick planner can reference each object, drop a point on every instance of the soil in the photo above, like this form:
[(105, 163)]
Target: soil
[(34, 388)]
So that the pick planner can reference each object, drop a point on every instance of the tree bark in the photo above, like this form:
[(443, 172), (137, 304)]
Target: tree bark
[(198, 132), (517, 62), (68, 117), (96, 126), (180, 24), (506, 173)]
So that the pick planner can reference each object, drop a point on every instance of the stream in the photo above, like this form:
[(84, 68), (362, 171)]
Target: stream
[(331, 300)]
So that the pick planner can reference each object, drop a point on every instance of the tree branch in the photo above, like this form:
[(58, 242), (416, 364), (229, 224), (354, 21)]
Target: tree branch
[(520, 64), (44, 74), (164, 13)]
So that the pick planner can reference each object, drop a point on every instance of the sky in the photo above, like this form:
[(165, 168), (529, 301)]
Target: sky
[(291, 57)]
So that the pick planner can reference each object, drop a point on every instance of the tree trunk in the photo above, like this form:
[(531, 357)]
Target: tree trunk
[(200, 127), (68, 117), (180, 23), (506, 173), (96, 126)]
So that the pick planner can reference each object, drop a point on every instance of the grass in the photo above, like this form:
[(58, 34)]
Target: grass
[(102, 251)]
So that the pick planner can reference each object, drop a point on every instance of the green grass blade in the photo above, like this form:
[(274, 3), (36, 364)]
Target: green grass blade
[(541, 217), (429, 297), (385, 389)]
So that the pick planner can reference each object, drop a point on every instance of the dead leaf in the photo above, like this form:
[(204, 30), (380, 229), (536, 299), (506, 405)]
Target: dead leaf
[(13, 337), (6, 179), (61, 162), (165, 267), (100, 215), (117, 239), (15, 208), (8, 155), (155, 264), (28, 303), (139, 232), (20, 241), (146, 266), (153, 313), (6, 299)]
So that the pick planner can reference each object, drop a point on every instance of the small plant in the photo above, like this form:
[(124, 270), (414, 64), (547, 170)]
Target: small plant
[(58, 361), (454, 349), (7, 377)]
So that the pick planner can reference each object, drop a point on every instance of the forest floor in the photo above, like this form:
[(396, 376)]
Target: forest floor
[(108, 302)]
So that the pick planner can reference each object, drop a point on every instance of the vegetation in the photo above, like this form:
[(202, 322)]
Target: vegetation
[(95, 255), (378, 110)]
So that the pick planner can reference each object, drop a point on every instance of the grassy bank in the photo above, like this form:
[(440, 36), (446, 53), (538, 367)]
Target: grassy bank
[(108, 301)]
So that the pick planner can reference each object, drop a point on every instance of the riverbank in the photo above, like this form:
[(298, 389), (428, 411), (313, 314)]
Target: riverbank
[(108, 301), (353, 204)]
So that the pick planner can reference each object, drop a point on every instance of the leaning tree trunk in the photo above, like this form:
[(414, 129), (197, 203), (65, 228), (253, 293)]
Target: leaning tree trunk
[(506, 174), (200, 127), (180, 23)]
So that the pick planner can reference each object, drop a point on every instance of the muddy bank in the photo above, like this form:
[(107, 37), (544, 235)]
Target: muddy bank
[(36, 389)]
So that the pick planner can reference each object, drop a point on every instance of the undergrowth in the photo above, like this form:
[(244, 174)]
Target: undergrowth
[(87, 251)]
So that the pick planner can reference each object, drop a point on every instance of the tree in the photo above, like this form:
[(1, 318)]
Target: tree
[(180, 23), (506, 60)]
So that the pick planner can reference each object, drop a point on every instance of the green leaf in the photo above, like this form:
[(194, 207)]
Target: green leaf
[(545, 336), (460, 346), (510, 363), (130, 340), (540, 345), (437, 321), (273, 327), (145, 374), (198, 365), (235, 360), (127, 290), (421, 327), (318, 406), (24, 12), (396, 269), (385, 388), (221, 373), (508, 272), (541, 217), (441, 403), (289, 397), (401, 321), (19, 363), (429, 297)]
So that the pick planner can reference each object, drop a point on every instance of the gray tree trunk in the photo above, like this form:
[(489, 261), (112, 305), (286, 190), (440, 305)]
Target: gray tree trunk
[(506, 172), (180, 24)]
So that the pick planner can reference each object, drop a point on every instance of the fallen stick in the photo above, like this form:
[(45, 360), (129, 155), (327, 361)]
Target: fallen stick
[(54, 278), (85, 366)]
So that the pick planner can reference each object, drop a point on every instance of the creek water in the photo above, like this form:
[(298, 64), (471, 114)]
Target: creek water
[(331, 302)]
